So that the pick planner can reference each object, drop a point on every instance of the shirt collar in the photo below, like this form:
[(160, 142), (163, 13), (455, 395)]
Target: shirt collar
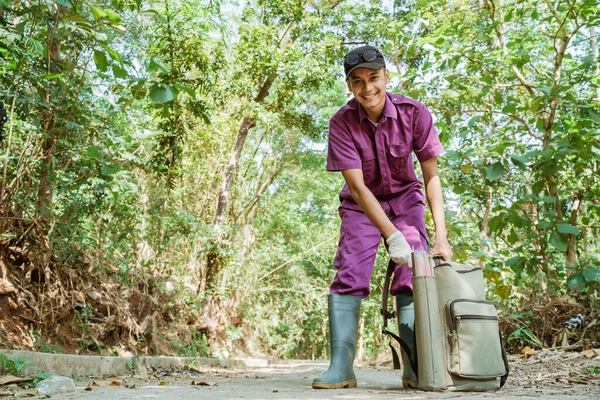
[(389, 109)]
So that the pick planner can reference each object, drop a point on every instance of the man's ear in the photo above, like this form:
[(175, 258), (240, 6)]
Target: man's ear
[(387, 76), (349, 86)]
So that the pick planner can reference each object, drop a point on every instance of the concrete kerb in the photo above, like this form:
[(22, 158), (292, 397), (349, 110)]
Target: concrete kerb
[(101, 366)]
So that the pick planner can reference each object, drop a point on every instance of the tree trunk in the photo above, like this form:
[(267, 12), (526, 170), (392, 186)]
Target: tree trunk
[(361, 340), (213, 259), (571, 256), (485, 228), (594, 43), (49, 119)]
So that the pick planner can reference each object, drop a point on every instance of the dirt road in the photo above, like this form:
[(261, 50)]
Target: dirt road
[(292, 380)]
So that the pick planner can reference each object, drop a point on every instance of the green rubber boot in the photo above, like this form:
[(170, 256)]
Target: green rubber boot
[(406, 327), (344, 312)]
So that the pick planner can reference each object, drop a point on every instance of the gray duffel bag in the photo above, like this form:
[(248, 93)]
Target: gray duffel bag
[(458, 343)]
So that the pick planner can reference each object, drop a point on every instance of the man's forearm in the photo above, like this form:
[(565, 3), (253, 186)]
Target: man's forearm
[(435, 200), (372, 209)]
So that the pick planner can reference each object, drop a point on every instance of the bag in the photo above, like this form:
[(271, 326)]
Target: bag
[(458, 343)]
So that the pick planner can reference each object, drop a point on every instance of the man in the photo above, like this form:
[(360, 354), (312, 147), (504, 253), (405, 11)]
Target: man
[(371, 140)]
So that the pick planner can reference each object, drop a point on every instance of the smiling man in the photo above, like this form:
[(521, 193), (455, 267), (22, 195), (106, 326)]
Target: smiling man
[(371, 141)]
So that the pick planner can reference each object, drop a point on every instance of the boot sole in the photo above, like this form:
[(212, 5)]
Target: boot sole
[(407, 384), (343, 385)]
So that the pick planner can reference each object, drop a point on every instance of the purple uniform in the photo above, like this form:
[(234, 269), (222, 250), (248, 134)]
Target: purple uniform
[(384, 153)]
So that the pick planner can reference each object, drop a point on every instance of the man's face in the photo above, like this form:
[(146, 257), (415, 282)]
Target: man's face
[(368, 87)]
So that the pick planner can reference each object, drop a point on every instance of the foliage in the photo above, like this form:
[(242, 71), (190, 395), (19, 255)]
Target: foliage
[(177, 148), (14, 366)]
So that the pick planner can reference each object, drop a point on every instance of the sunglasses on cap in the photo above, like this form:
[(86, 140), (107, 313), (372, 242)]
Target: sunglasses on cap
[(368, 56)]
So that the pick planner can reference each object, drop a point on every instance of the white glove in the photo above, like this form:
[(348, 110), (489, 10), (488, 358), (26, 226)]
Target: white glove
[(398, 248)]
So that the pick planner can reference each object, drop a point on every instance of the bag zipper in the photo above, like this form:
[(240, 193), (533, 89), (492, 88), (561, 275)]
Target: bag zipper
[(456, 318)]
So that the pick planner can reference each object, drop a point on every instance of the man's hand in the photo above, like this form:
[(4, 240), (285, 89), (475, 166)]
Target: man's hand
[(398, 248), (441, 248)]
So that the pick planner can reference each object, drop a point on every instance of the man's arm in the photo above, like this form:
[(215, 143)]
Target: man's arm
[(398, 248), (433, 191), (367, 201)]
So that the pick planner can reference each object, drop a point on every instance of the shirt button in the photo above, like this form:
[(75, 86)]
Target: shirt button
[(394, 99)]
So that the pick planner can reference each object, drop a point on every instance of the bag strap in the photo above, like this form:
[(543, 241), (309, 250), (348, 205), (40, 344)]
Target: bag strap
[(387, 315), (504, 377)]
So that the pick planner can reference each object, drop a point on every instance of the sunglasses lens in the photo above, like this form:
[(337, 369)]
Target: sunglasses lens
[(352, 59), (370, 55)]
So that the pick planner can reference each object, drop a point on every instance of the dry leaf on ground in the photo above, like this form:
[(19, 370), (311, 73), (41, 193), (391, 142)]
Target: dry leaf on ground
[(527, 351), (588, 353), (8, 379), (194, 383)]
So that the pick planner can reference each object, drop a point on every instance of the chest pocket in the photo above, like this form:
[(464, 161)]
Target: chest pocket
[(369, 165), (400, 161)]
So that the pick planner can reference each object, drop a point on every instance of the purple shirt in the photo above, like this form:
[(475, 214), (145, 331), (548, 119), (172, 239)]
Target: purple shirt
[(384, 152)]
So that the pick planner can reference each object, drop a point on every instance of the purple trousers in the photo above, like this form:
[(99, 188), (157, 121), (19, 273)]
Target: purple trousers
[(357, 248)]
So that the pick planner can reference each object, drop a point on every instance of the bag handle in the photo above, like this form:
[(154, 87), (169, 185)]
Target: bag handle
[(384, 298), (438, 260)]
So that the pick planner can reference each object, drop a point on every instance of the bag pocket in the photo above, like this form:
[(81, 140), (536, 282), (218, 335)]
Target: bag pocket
[(474, 339)]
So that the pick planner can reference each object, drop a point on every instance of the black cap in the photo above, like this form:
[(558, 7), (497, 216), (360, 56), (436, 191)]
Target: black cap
[(363, 57)]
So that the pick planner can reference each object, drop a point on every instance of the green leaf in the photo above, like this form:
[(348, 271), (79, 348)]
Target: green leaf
[(65, 3), (545, 89), (487, 79), (37, 45), (458, 189), (543, 224), (558, 241), (535, 104), (186, 89), (94, 152), (495, 171), (509, 108), (473, 121), (100, 60), (514, 261), (51, 76), (576, 282), (512, 238), (97, 13), (161, 94), (155, 65), (110, 169), (496, 223), (519, 161), (119, 72), (113, 17), (8, 235), (593, 116), (591, 274), (567, 228), (101, 36), (113, 54)]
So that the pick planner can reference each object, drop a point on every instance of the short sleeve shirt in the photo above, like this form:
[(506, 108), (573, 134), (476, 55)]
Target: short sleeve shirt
[(384, 151)]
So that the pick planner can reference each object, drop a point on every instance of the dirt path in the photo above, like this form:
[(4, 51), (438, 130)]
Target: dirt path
[(552, 377)]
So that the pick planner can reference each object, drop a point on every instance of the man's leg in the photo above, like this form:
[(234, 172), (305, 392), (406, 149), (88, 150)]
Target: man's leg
[(359, 240)]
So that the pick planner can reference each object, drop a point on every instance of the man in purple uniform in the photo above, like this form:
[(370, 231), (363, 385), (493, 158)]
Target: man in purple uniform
[(371, 141)]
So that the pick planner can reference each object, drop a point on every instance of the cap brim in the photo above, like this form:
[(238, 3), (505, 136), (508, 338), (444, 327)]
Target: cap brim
[(371, 65)]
